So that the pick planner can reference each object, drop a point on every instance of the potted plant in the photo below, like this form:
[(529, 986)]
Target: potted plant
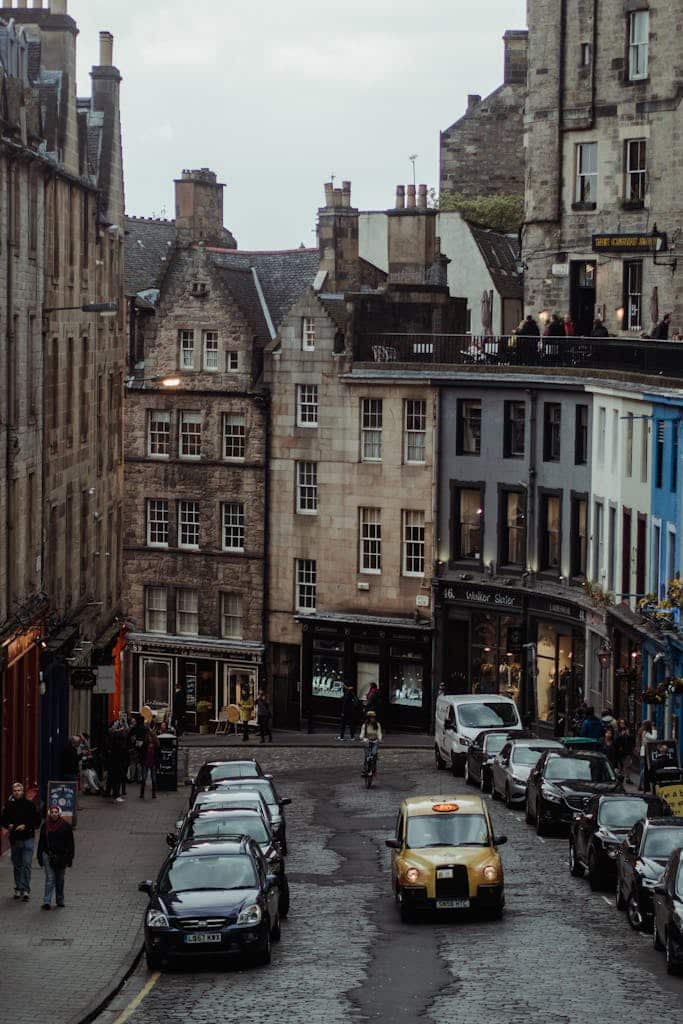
[(204, 708)]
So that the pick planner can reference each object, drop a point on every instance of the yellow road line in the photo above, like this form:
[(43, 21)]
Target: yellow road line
[(134, 1003)]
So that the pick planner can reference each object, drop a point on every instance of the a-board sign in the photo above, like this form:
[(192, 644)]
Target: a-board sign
[(65, 794), (672, 794)]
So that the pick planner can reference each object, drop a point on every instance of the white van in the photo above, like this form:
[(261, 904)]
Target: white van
[(462, 716)]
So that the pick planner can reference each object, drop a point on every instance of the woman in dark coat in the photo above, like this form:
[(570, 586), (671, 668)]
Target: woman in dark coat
[(55, 854)]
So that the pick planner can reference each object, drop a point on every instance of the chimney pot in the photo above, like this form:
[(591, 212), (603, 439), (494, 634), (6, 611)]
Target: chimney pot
[(337, 198), (346, 193), (422, 197), (411, 197), (106, 49), (56, 6), (329, 193), (400, 197)]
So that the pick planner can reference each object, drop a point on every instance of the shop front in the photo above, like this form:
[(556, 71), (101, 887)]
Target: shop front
[(558, 630), (20, 711), (210, 675), (627, 643), (395, 654)]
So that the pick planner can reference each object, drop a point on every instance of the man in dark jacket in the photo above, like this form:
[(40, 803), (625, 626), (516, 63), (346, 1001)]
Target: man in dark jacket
[(55, 854), (529, 328), (592, 727), (20, 817), (348, 712), (179, 709), (661, 331)]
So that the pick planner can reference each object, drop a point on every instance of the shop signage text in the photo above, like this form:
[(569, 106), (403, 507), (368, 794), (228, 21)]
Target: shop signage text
[(629, 243), (490, 598)]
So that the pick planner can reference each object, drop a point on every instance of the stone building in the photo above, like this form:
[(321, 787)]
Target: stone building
[(195, 573), (603, 208), (61, 363), (481, 154)]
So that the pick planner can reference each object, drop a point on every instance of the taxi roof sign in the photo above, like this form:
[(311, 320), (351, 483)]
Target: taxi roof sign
[(445, 808)]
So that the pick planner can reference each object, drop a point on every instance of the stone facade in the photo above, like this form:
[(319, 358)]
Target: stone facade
[(481, 154), (602, 119)]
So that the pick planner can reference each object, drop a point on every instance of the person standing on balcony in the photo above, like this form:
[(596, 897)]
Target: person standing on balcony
[(599, 329), (661, 331), (568, 326)]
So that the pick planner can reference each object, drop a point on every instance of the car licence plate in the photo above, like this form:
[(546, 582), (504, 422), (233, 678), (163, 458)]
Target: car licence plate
[(452, 904), (214, 937)]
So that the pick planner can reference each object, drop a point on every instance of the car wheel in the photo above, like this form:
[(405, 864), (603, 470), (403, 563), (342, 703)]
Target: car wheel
[(275, 932), (541, 827), (596, 876), (635, 918), (264, 954), (576, 868), (672, 967), (153, 961), (283, 902), (528, 817), (438, 760), (457, 764), (619, 900), (656, 941)]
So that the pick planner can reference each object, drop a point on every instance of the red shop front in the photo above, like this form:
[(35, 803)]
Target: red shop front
[(20, 713)]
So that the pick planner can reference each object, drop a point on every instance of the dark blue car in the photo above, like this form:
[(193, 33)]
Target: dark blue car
[(212, 898)]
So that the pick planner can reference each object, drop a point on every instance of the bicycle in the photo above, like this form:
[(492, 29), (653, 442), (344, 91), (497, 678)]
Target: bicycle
[(370, 763)]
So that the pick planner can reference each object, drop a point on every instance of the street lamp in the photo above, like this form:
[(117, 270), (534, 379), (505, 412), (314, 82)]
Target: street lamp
[(105, 309), (166, 382)]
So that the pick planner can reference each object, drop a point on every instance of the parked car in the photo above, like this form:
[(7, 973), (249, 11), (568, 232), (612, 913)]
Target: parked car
[(276, 803), (597, 832), (445, 856), (562, 783), (218, 771), (211, 898), (667, 933), (511, 768), (215, 796), (461, 717), (641, 860), (481, 753)]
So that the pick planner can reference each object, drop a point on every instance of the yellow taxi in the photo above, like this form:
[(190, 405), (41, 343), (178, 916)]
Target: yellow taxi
[(445, 856)]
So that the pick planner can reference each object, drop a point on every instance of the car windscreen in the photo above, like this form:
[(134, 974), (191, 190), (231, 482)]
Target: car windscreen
[(495, 742), (621, 813), (207, 872), (659, 842), (244, 825), (233, 771), (490, 714), (216, 828), (261, 786), (526, 755), (579, 769), (447, 830)]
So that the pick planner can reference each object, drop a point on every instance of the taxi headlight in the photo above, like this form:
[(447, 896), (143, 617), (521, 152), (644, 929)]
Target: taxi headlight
[(412, 875), (156, 919), (490, 872), (250, 914)]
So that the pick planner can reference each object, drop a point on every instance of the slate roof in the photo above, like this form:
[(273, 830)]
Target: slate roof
[(147, 247), (283, 275), (500, 255), (239, 283)]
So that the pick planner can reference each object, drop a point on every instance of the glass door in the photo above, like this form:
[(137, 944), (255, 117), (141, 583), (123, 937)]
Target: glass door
[(157, 677)]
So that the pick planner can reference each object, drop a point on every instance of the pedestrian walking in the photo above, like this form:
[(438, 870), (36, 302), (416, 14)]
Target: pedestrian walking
[(21, 819), (372, 698), (55, 854), (263, 716), (349, 706), (118, 759), (646, 734), (625, 743), (609, 748), (246, 712), (150, 759), (592, 726), (179, 709)]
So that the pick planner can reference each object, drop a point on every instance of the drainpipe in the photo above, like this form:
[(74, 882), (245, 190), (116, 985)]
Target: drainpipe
[(265, 407), (560, 107), (9, 300), (531, 552), (436, 537)]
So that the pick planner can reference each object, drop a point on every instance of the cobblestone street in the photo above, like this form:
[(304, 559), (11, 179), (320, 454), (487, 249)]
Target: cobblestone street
[(562, 954)]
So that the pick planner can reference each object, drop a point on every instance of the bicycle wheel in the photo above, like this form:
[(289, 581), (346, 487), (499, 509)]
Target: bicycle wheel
[(369, 775)]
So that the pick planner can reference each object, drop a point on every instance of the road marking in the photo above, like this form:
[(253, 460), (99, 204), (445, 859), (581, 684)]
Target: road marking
[(134, 1003), (608, 902)]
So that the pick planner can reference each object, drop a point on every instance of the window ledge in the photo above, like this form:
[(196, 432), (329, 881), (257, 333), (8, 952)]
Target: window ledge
[(633, 204), (584, 207)]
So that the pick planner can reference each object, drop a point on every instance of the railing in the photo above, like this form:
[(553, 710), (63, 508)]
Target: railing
[(653, 358)]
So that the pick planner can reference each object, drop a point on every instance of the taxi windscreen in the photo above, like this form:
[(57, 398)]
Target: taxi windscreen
[(447, 830)]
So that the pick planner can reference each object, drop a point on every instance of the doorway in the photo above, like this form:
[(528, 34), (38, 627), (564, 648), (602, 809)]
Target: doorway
[(582, 296)]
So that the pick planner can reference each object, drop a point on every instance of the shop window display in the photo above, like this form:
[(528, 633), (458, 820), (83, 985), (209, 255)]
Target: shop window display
[(496, 666), (328, 676), (560, 661), (406, 684)]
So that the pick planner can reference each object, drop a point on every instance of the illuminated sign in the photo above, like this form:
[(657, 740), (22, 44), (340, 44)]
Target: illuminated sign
[(444, 808), (629, 243)]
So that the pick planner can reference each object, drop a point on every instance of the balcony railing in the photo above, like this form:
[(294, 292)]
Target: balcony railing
[(653, 358)]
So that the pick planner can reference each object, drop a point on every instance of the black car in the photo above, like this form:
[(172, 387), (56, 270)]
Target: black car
[(597, 832), (274, 802), (481, 752), (667, 933), (641, 860), (212, 824), (563, 783), (212, 897), (218, 771)]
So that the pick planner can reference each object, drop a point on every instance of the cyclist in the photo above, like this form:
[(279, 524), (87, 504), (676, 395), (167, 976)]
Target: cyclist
[(371, 735)]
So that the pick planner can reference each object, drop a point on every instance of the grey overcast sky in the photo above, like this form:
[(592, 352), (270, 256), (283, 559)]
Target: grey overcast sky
[(275, 97)]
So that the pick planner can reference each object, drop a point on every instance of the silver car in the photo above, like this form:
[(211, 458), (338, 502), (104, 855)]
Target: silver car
[(512, 767)]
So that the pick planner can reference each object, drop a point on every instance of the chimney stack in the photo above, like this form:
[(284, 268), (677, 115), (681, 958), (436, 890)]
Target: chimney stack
[(338, 239), (400, 197), (106, 49), (422, 197), (515, 43), (346, 193), (329, 193), (410, 205), (199, 209), (473, 100)]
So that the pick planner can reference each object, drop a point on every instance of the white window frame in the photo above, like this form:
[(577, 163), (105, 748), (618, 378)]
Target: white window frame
[(671, 561), (237, 439), (308, 334), (232, 611), (211, 354), (155, 436), (232, 526), (371, 421), (615, 440), (189, 419), (413, 536), (185, 598), (157, 521), (307, 409), (636, 169), (305, 584), (656, 557), (307, 488), (156, 604), (232, 362), (414, 431), (638, 45), (370, 541), (188, 525), (186, 346), (586, 172)]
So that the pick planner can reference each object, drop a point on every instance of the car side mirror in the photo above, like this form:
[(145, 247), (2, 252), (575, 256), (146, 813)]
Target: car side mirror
[(393, 844), (171, 839), (500, 840), (147, 886), (449, 726), (286, 801)]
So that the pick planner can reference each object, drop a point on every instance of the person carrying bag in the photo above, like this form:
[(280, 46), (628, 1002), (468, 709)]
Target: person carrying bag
[(55, 854)]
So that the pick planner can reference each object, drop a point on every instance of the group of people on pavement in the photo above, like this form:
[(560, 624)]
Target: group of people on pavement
[(263, 711), (55, 852), (624, 751)]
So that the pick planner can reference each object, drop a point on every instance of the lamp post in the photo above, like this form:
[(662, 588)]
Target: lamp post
[(165, 381), (604, 660)]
